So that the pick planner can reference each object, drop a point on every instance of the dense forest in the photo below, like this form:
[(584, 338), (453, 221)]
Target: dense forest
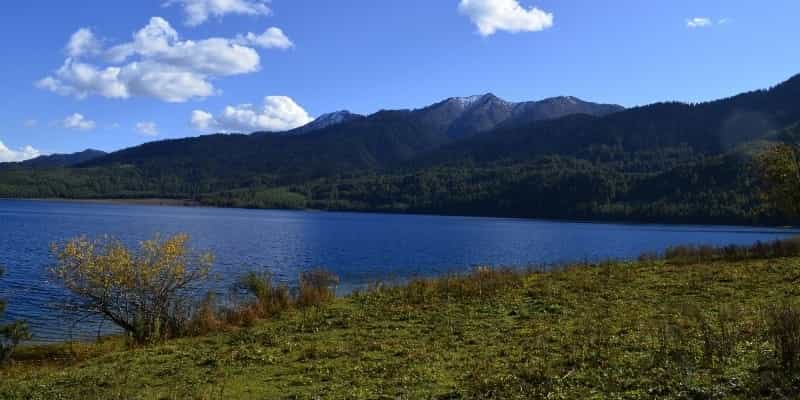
[(666, 162)]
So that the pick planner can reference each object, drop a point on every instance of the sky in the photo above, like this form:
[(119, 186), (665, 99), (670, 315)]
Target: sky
[(109, 75)]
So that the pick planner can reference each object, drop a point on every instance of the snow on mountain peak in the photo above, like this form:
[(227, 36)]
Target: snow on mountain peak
[(470, 101)]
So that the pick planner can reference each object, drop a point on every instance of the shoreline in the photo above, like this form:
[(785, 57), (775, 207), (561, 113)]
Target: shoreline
[(167, 202), (156, 201), (450, 332)]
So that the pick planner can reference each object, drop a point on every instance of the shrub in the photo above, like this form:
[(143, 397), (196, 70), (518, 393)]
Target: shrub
[(10, 335), (271, 299), (204, 320), (316, 287), (147, 293), (759, 250)]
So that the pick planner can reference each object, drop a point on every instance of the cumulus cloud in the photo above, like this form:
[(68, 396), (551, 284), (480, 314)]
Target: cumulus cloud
[(198, 11), (202, 120), (278, 113), (272, 38), (157, 63), (159, 42), (491, 16), (82, 42), (10, 155), (147, 128), (699, 22), (77, 121)]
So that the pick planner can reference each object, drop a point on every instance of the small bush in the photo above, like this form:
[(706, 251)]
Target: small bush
[(649, 256), (205, 319), (705, 253), (271, 298), (268, 299), (10, 335), (419, 291), (316, 287)]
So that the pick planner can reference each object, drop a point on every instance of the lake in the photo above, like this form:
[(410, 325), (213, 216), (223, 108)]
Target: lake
[(360, 248)]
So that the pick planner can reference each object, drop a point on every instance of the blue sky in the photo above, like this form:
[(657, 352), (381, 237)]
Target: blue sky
[(110, 91)]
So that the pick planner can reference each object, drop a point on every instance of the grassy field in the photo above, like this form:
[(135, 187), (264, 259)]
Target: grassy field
[(639, 330)]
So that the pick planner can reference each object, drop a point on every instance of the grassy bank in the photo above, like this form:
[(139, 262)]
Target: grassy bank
[(649, 329)]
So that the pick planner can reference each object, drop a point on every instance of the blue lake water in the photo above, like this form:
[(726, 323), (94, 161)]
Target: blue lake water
[(360, 248)]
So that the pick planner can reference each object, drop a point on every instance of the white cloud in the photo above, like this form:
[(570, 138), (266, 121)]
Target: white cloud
[(699, 22), (272, 38), (25, 153), (147, 128), (157, 63), (30, 123), (202, 121), (724, 21), (79, 79), (198, 11), (78, 122), (159, 42), (491, 16), (83, 42), (278, 113)]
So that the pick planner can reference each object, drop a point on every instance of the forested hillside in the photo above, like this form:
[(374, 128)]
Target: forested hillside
[(558, 158)]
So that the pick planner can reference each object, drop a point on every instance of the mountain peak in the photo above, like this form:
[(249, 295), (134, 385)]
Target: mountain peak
[(569, 100), (327, 120), (470, 101), (335, 117)]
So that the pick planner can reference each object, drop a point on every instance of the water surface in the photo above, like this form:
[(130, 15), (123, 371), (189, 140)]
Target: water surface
[(360, 248)]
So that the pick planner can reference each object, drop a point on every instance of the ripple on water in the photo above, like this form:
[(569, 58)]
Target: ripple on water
[(360, 248)]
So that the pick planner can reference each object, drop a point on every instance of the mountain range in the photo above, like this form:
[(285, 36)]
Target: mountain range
[(560, 157), (449, 120), (57, 160), (341, 142)]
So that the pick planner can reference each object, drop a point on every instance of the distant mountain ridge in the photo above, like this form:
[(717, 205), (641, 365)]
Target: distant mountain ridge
[(345, 141), (479, 155), (480, 128), (466, 116), (58, 160)]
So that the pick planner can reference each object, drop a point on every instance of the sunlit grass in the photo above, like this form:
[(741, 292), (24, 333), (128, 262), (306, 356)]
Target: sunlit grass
[(650, 329)]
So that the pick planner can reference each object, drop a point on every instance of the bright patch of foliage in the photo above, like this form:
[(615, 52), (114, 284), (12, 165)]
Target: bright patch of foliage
[(147, 293)]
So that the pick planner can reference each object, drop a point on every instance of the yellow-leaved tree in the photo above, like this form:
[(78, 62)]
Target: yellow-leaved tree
[(149, 293)]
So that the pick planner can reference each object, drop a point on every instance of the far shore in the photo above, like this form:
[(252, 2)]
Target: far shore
[(194, 203), (140, 202)]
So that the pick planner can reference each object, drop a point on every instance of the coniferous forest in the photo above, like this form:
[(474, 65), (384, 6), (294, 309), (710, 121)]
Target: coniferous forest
[(665, 162)]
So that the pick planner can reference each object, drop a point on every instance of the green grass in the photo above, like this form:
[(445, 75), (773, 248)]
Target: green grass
[(621, 331)]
